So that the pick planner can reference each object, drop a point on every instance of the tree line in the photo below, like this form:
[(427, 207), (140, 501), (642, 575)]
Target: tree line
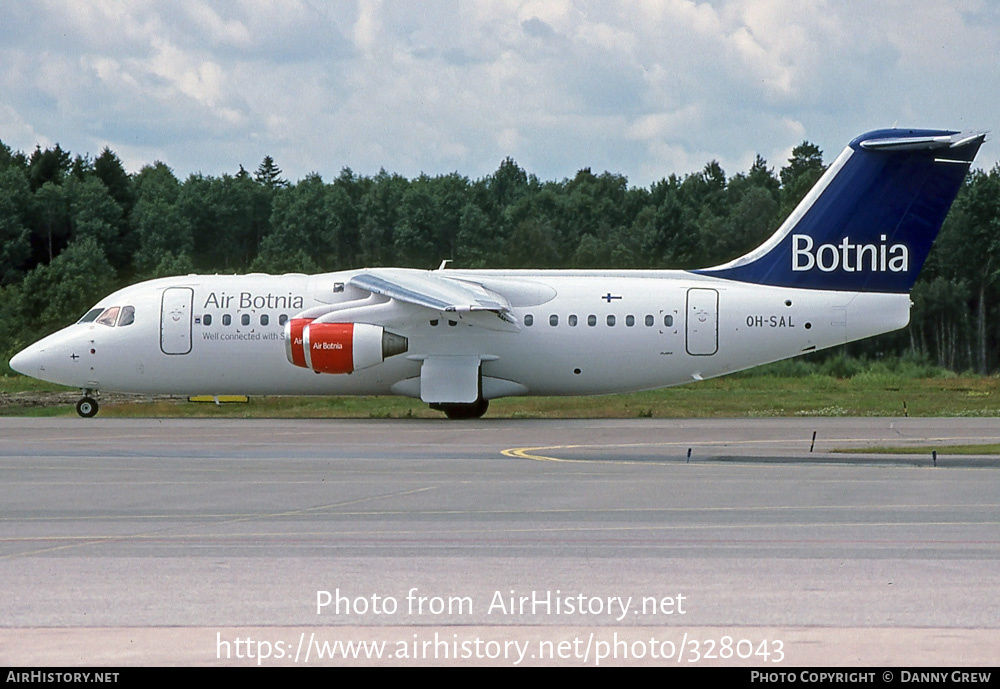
[(73, 229)]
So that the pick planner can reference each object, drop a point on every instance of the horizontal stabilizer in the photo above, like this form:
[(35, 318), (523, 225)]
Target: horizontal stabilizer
[(919, 143)]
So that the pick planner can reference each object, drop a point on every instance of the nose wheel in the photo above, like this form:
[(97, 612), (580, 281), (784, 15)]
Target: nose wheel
[(87, 407)]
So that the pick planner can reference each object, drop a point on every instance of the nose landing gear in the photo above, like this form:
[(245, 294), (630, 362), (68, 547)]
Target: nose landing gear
[(87, 406)]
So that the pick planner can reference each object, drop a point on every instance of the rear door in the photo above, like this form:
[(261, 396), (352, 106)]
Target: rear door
[(702, 332)]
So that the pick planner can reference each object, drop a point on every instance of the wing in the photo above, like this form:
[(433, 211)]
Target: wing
[(459, 299)]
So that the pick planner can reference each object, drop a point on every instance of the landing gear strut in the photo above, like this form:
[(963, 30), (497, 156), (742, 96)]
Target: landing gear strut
[(463, 411), (87, 406)]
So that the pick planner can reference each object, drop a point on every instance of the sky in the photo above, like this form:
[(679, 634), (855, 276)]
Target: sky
[(642, 88)]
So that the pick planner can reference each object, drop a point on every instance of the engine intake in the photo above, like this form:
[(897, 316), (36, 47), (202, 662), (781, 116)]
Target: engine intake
[(339, 347)]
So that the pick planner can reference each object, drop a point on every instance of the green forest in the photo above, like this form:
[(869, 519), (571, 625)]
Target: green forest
[(73, 229)]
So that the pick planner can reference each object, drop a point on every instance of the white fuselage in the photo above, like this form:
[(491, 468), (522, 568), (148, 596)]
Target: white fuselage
[(581, 333)]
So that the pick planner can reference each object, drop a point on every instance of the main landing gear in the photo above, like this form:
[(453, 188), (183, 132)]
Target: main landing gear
[(473, 410), (87, 406)]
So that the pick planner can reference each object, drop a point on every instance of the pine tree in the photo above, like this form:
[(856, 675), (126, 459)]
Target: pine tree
[(269, 174)]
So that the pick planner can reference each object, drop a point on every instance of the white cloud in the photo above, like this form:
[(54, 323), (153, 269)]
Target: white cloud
[(645, 88), (201, 80), (17, 129), (219, 30), (366, 28)]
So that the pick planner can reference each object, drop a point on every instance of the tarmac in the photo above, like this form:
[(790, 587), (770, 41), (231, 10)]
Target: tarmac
[(497, 542)]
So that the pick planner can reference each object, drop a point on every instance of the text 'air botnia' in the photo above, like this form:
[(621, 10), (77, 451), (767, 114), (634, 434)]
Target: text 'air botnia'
[(249, 300)]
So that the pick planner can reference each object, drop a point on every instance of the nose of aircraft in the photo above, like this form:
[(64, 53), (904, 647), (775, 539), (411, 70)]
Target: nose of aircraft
[(27, 361), (58, 358)]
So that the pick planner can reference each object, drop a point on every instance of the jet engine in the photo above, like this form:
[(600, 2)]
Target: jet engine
[(339, 347)]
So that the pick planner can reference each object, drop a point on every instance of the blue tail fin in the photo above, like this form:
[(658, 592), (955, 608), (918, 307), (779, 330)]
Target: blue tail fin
[(869, 222)]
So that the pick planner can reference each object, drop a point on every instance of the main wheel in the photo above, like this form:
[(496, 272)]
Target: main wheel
[(463, 411), (87, 407)]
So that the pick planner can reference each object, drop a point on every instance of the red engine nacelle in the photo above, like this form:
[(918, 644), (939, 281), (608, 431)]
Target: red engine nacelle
[(339, 347), (293, 340)]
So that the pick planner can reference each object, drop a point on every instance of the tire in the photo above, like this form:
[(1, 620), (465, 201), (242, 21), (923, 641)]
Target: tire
[(87, 407), (463, 411)]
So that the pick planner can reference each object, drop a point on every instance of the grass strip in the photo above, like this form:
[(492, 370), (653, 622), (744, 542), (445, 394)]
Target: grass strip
[(729, 397)]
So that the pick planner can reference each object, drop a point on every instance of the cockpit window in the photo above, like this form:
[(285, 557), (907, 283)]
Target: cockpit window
[(91, 315), (127, 316), (109, 317)]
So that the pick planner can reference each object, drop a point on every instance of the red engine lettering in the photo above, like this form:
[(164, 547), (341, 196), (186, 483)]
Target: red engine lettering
[(331, 347)]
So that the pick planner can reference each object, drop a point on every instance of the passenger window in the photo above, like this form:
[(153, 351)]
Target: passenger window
[(649, 321), (611, 320), (553, 320), (434, 323), (127, 316), (245, 319), (591, 320), (668, 321), (227, 319), (282, 319), (572, 320), (207, 319), (109, 317), (630, 320), (529, 320), (91, 315), (264, 319)]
